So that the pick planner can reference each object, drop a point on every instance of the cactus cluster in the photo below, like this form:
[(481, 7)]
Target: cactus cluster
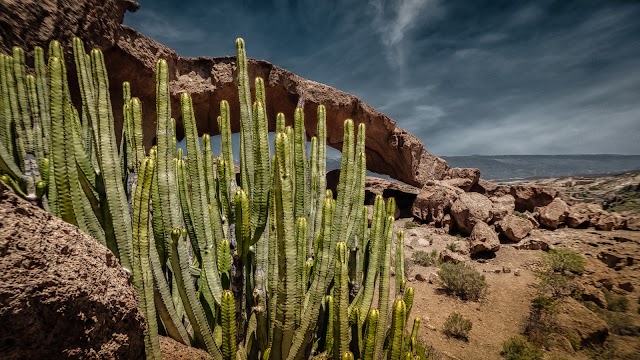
[(272, 267)]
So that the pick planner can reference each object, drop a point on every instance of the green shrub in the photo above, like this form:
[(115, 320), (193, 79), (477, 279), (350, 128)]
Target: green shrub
[(463, 280), (452, 246), (520, 215), (540, 322), (518, 348), (559, 268), (616, 302), (410, 225), (424, 258), (565, 261), (457, 326)]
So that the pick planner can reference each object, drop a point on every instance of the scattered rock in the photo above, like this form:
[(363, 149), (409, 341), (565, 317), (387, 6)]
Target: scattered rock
[(532, 244), (502, 206), (553, 214), (420, 277), (449, 256), (529, 197), (607, 221), (434, 278), (62, 295), (469, 209), (514, 228), (633, 223), (483, 238), (516, 272), (506, 269), (579, 324)]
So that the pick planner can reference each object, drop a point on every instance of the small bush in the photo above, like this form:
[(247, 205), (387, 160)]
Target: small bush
[(518, 348), (541, 321), (560, 267), (463, 281), (457, 326), (520, 215), (423, 258), (410, 225), (616, 302), (452, 246), (565, 261)]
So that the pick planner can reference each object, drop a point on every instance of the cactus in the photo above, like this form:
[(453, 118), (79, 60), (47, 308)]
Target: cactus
[(266, 269)]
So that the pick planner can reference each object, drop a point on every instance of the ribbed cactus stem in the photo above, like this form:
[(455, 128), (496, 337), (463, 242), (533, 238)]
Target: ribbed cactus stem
[(142, 276), (415, 330), (396, 336), (228, 310), (341, 296), (261, 176), (300, 163), (370, 335), (383, 297), (400, 278), (246, 118)]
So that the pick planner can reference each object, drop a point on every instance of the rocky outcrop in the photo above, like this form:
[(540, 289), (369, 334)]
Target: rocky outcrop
[(62, 295), (463, 178), (434, 201), (514, 228), (483, 239), (529, 197), (553, 214), (579, 214), (390, 150), (469, 209)]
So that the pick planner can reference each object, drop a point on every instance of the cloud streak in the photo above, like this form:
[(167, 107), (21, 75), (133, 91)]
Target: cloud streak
[(481, 77)]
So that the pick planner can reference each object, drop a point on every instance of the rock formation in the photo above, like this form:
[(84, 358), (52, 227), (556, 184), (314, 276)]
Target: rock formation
[(390, 149), (62, 295)]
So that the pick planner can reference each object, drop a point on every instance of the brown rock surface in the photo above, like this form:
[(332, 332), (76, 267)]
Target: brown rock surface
[(514, 228), (580, 214), (529, 197), (483, 238), (553, 214), (173, 350), (434, 201), (579, 324), (464, 178), (62, 295), (502, 206), (469, 209)]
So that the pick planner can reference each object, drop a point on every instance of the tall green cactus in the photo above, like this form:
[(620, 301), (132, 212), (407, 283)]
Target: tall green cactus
[(278, 240)]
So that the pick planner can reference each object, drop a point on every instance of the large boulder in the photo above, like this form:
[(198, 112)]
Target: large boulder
[(529, 197), (580, 214), (62, 295), (390, 150), (502, 206), (469, 209), (553, 214), (463, 178), (604, 220), (514, 228), (483, 239), (434, 202)]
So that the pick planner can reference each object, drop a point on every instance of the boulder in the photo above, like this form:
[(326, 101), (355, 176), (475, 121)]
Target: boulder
[(469, 209), (62, 295), (579, 214), (483, 239), (532, 244), (529, 197), (502, 206), (404, 194), (553, 214), (578, 324), (434, 202), (463, 178), (488, 188), (607, 221), (514, 228)]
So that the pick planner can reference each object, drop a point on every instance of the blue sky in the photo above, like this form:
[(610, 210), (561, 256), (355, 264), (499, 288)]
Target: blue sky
[(466, 77)]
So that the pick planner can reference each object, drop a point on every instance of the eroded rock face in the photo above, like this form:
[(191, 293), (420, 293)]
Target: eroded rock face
[(529, 197), (579, 324), (469, 209), (434, 201), (502, 206), (62, 295)]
